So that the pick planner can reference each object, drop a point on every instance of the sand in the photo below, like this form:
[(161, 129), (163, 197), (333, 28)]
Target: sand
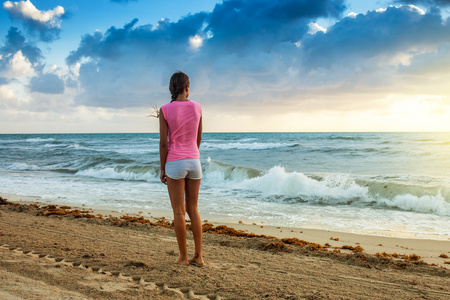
[(79, 258)]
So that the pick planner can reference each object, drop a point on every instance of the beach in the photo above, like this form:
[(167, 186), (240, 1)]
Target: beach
[(51, 255), (285, 216)]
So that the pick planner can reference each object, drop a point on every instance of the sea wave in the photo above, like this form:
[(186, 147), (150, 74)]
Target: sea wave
[(230, 139), (279, 185), (219, 172), (247, 146), (151, 139), (346, 138), (130, 149), (18, 166), (39, 140), (55, 145), (128, 173)]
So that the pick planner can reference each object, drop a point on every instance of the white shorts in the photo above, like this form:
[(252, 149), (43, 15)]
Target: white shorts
[(184, 168)]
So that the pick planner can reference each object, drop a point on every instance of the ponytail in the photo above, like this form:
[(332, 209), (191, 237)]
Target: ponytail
[(178, 83)]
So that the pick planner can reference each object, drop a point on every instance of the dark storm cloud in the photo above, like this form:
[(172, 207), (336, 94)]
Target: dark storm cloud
[(355, 40), (47, 84)]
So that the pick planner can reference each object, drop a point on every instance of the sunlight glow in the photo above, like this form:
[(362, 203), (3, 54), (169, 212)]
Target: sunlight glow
[(196, 41), (314, 28)]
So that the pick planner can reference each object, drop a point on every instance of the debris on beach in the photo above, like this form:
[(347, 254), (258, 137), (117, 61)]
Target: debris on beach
[(354, 249), (260, 242)]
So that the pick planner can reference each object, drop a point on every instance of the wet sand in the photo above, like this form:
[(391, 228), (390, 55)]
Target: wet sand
[(80, 258)]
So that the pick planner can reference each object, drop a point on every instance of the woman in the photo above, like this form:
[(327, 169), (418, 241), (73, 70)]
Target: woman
[(180, 129)]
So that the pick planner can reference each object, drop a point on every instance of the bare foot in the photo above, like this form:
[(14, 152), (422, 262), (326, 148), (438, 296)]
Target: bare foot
[(183, 262)]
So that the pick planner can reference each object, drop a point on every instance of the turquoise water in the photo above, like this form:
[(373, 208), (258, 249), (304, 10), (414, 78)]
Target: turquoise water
[(393, 184)]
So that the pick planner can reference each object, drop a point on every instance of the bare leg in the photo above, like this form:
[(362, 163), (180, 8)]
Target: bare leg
[(176, 194), (192, 189)]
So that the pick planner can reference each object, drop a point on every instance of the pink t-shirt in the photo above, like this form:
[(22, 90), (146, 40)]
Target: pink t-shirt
[(183, 118)]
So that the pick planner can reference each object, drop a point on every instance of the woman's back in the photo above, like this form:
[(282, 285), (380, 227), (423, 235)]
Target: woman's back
[(182, 119)]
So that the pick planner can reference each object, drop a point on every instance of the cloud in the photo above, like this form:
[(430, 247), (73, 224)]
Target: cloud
[(3, 80), (374, 36), (17, 57), (20, 66), (314, 28), (20, 60), (128, 66), (46, 23), (430, 63), (248, 57), (7, 97), (15, 42), (426, 2), (47, 83)]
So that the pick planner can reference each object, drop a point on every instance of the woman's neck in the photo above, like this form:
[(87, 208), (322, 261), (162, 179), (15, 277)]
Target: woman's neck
[(181, 98)]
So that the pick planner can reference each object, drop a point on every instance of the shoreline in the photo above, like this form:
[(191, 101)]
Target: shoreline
[(237, 222), (429, 250), (48, 251)]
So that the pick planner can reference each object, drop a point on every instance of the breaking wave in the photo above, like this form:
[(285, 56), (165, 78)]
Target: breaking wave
[(279, 185)]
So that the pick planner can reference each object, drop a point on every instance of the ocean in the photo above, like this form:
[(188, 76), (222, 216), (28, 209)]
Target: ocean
[(388, 184)]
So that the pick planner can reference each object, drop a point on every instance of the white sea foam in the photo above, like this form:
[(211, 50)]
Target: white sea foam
[(435, 204), (330, 189), (246, 146), (20, 167), (336, 188), (135, 151), (39, 140), (79, 147)]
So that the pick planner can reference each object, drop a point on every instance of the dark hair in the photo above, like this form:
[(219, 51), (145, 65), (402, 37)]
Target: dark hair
[(178, 82)]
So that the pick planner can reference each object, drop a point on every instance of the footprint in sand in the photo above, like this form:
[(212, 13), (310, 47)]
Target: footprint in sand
[(255, 264), (99, 279)]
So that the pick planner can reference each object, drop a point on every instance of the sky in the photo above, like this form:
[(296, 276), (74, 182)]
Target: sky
[(69, 66)]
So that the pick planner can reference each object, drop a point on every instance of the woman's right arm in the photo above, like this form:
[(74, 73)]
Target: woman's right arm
[(163, 146), (199, 133)]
